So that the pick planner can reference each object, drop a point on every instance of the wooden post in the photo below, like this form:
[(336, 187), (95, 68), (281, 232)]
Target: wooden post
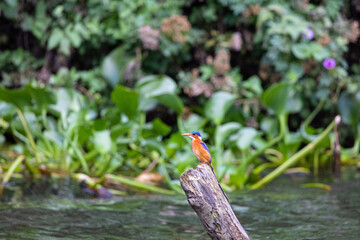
[(336, 152), (210, 204)]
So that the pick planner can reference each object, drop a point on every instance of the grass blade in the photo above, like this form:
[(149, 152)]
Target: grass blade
[(138, 184), (296, 157), (12, 168)]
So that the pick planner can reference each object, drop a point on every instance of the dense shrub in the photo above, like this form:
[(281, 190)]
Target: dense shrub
[(106, 85)]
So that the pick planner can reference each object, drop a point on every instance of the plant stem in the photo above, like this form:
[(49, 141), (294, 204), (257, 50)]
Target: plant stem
[(218, 149), (317, 185), (167, 177), (100, 181), (296, 157), (80, 155), (283, 130), (349, 153), (316, 162), (30, 167), (138, 184), (43, 118), (309, 119), (12, 168), (28, 134), (3, 123), (90, 155), (142, 120), (263, 166)]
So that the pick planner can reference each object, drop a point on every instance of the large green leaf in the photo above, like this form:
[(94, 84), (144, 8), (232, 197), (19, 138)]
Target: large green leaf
[(114, 65), (294, 103), (126, 100), (67, 100), (244, 137), (7, 110), (41, 96), (276, 96), (102, 141), (120, 129), (18, 97), (348, 106), (224, 131), (172, 101), (218, 105), (161, 88), (156, 85), (160, 127), (194, 122), (270, 126), (27, 96), (253, 84)]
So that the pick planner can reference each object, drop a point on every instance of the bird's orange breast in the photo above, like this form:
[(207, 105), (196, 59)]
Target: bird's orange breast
[(200, 152)]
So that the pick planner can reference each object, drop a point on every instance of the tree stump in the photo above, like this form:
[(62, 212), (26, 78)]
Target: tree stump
[(211, 205)]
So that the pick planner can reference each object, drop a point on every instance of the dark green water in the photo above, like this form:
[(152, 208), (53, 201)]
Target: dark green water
[(282, 210)]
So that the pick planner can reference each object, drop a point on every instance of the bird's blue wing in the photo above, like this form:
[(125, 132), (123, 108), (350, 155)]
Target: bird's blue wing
[(204, 146)]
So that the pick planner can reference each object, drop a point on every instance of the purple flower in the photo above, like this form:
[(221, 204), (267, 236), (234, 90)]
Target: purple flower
[(309, 34), (329, 63)]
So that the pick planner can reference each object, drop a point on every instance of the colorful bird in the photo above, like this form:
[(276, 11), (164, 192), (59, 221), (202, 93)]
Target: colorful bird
[(199, 148), (201, 152)]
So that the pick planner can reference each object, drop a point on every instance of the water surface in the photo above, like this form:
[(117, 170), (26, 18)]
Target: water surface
[(282, 210)]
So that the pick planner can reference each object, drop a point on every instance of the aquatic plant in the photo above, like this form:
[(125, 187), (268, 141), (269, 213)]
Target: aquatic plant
[(105, 88)]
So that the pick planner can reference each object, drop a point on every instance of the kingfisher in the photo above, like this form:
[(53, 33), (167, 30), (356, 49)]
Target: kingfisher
[(201, 152)]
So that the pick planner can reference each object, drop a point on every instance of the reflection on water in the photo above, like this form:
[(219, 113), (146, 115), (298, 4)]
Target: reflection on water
[(282, 210)]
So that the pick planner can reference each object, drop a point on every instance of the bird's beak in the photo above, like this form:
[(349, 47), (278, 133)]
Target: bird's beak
[(185, 135)]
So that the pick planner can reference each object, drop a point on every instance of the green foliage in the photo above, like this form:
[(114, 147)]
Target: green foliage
[(349, 110), (310, 50), (218, 105), (224, 131), (114, 65), (19, 98), (160, 88), (126, 100), (276, 97), (107, 86), (333, 7), (26, 97)]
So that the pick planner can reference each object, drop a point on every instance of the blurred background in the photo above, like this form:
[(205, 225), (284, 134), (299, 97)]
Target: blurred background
[(100, 90)]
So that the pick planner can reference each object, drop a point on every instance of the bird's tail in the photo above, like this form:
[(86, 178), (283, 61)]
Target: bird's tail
[(212, 169)]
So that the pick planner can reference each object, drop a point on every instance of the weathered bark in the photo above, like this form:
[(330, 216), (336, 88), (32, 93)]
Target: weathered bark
[(210, 204)]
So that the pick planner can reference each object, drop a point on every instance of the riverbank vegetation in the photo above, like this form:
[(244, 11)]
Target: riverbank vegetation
[(103, 89)]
